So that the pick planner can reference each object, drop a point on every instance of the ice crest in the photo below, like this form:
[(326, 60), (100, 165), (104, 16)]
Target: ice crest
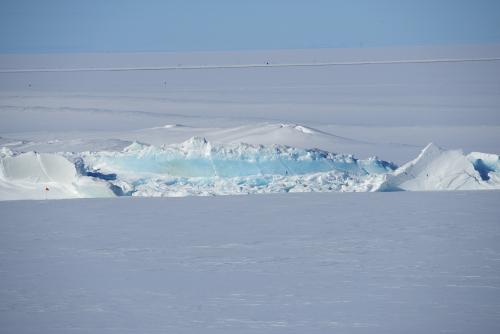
[(6, 152), (134, 147)]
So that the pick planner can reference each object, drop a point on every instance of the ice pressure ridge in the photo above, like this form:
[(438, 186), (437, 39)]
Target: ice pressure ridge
[(198, 167)]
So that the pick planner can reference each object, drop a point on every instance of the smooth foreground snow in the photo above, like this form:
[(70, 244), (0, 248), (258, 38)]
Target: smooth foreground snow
[(407, 262), (198, 167)]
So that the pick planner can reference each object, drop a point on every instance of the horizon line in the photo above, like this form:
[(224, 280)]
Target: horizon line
[(234, 66)]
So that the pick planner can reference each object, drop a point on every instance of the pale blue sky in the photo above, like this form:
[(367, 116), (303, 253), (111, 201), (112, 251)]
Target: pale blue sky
[(31, 26)]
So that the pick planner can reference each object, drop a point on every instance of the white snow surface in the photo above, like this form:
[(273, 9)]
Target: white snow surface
[(407, 262)]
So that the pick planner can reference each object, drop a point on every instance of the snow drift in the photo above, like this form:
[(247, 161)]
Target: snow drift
[(28, 175), (439, 169), (198, 167)]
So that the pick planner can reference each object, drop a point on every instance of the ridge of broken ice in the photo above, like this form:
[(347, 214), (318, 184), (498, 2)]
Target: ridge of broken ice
[(199, 167)]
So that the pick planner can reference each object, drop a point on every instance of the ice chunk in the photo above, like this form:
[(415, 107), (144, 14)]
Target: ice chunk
[(437, 169), (487, 165), (5, 152)]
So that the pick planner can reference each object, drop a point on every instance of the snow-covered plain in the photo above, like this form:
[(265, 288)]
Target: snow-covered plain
[(410, 262), (207, 124)]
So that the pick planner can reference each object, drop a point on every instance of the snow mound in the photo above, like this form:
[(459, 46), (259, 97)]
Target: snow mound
[(439, 169), (27, 175), (168, 126), (38, 168), (299, 128), (278, 134)]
